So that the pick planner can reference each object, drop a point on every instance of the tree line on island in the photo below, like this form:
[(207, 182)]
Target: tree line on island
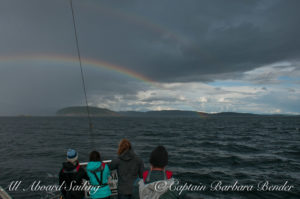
[(77, 111)]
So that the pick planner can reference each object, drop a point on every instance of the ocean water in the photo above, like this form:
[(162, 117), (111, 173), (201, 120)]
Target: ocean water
[(202, 151)]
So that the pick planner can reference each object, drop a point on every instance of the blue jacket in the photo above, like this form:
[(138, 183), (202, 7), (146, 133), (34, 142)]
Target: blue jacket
[(103, 191)]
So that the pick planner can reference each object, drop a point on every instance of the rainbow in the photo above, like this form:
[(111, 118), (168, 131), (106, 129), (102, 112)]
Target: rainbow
[(202, 115), (87, 62)]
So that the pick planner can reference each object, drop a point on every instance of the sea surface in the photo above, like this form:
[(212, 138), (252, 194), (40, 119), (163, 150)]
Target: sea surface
[(202, 151)]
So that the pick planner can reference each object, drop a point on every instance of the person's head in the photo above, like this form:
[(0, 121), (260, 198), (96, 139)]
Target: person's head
[(159, 157), (95, 156), (72, 156), (124, 146)]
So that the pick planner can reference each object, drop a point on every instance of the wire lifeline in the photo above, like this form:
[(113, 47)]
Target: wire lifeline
[(81, 68)]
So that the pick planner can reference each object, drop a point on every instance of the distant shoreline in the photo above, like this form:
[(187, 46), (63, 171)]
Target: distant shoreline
[(81, 111)]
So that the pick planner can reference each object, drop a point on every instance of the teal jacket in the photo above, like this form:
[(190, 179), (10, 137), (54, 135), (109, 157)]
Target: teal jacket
[(103, 191)]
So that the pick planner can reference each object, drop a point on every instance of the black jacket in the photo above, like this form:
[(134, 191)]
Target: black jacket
[(72, 174), (129, 168)]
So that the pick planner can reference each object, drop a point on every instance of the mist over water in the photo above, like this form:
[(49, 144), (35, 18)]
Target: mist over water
[(201, 150)]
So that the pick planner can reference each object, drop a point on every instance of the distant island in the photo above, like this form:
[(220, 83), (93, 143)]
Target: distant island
[(78, 111), (82, 111)]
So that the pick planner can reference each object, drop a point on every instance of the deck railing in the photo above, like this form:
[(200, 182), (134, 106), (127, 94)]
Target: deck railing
[(4, 194)]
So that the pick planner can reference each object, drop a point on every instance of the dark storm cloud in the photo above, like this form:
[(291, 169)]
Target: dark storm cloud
[(195, 40), (167, 41)]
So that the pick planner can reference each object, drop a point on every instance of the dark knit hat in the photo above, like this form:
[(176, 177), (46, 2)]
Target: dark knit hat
[(72, 155), (159, 157)]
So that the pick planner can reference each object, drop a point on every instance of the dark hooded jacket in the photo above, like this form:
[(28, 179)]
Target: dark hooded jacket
[(129, 168), (74, 174)]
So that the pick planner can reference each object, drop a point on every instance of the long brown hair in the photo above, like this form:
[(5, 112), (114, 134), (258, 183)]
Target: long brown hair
[(124, 146)]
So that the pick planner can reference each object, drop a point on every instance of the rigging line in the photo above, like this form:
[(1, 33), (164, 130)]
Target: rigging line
[(81, 68)]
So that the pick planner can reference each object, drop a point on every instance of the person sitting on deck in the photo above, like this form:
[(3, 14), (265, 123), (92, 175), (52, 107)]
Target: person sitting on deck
[(98, 173), (148, 186), (129, 167), (72, 175)]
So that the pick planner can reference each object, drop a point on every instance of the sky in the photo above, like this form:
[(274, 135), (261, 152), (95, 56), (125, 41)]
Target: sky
[(201, 55)]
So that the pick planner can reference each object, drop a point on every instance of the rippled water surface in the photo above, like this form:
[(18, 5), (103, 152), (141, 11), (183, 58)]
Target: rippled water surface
[(201, 150)]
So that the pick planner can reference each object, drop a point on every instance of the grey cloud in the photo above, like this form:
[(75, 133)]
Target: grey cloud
[(42, 90), (218, 37), (291, 90), (167, 41)]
